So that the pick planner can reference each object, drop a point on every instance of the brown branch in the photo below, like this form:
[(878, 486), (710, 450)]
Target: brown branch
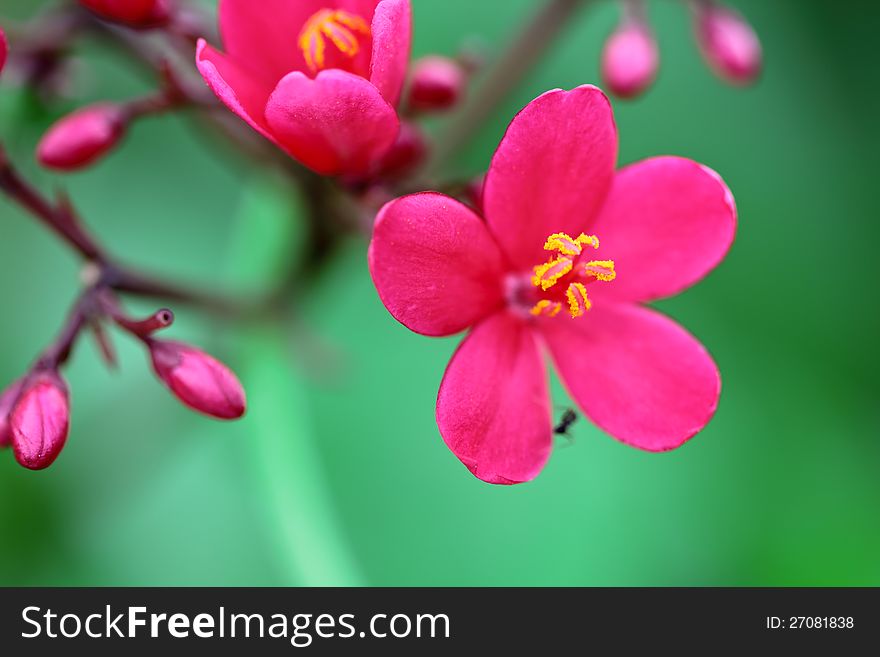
[(517, 60)]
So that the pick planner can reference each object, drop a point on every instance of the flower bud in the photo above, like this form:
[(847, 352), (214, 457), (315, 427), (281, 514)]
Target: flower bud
[(198, 380), (82, 137), (629, 59), (407, 152), (728, 43), (140, 13), (40, 420), (473, 192), (7, 400), (437, 84), (4, 49)]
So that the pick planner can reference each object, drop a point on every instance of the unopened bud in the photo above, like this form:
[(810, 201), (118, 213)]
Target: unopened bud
[(629, 59), (728, 43), (7, 400), (140, 13), (82, 137), (437, 84), (198, 380), (4, 49), (40, 420), (406, 154)]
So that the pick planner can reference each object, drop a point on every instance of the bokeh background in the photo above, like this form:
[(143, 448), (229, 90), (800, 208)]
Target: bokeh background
[(338, 474)]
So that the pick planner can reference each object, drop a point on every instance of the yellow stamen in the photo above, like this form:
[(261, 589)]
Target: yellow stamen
[(545, 307), (588, 240), (338, 26), (570, 246), (578, 301), (547, 274), (602, 270)]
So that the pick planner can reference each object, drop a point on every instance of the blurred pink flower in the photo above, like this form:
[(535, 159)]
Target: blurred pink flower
[(40, 420), (132, 12), (198, 380), (629, 60), (519, 276), (82, 137), (319, 78), (728, 43)]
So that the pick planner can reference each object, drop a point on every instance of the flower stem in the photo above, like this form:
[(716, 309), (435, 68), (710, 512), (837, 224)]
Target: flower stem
[(519, 58), (297, 506)]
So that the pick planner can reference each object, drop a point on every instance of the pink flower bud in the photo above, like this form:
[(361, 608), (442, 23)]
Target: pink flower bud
[(728, 43), (473, 192), (7, 400), (4, 49), (82, 137), (40, 420), (198, 380), (139, 13), (407, 152), (629, 59), (437, 84)]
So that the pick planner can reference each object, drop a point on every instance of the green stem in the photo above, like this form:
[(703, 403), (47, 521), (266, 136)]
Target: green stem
[(298, 508)]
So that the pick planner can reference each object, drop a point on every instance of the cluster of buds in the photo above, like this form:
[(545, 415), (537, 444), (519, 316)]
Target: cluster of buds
[(630, 58), (35, 409)]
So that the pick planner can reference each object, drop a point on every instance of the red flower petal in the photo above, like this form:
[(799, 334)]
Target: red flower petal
[(493, 408), (667, 222), (264, 34), (435, 265), (551, 171), (392, 33), (240, 90), (336, 123), (636, 373)]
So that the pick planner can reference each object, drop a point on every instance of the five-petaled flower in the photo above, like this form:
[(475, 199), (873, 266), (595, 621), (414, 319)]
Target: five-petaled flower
[(319, 78), (564, 257)]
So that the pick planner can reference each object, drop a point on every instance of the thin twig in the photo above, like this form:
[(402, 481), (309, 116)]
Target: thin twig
[(519, 58)]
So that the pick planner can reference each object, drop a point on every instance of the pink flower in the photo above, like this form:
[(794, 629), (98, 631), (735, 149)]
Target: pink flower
[(40, 420), (198, 380), (566, 253), (629, 59), (82, 137), (728, 43), (133, 12), (319, 78)]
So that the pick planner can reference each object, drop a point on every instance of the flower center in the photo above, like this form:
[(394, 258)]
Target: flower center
[(562, 280), (344, 30)]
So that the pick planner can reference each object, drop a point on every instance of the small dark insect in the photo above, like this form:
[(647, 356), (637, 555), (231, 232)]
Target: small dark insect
[(569, 417)]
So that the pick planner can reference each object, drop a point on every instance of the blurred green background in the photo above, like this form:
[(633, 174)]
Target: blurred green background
[(338, 474)]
